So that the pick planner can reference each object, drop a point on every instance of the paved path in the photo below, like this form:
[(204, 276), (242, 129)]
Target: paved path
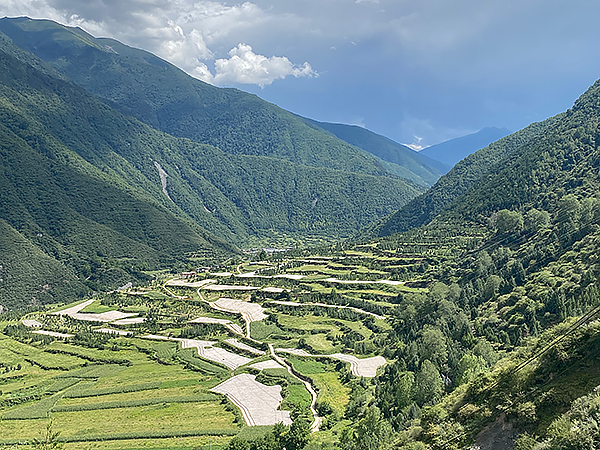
[(317, 420)]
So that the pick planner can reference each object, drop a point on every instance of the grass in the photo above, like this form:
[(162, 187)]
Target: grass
[(95, 371), (307, 322), (328, 384), (37, 410), (179, 443), (320, 344), (331, 390), (307, 366), (43, 359), (250, 433), (182, 391), (136, 402), (62, 384), (83, 392), (189, 357), (261, 331), (97, 308), (298, 398)]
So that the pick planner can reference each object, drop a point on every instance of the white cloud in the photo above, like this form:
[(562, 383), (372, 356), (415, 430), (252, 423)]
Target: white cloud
[(184, 50), (246, 67), (180, 31)]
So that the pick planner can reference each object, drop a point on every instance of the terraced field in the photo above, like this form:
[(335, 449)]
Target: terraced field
[(159, 373)]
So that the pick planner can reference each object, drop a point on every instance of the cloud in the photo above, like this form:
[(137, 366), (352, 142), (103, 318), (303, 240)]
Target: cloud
[(181, 31), (246, 67)]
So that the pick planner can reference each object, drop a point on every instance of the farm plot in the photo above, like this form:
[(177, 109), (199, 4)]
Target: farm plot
[(258, 403), (225, 322), (113, 331), (246, 347), (130, 321), (269, 364), (326, 305), (74, 309), (251, 312), (290, 276), (366, 367), (31, 323), (141, 400), (387, 282), (227, 287), (53, 334), (193, 284), (207, 350), (108, 316)]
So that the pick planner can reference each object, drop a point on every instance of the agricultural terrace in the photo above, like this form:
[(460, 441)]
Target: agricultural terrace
[(186, 362)]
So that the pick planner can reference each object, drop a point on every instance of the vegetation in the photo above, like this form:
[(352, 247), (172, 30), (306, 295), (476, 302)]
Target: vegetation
[(485, 307)]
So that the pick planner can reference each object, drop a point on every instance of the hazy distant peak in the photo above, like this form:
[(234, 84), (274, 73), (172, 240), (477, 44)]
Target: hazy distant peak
[(452, 151)]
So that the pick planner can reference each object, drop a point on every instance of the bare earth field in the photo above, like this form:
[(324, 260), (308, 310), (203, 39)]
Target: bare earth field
[(242, 346), (109, 316), (227, 287), (270, 364), (258, 403), (365, 367), (206, 350), (252, 312), (53, 334)]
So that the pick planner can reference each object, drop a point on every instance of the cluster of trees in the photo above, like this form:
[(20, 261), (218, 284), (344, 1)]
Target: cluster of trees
[(293, 437)]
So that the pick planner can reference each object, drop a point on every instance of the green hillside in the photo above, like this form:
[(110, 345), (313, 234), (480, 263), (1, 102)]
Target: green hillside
[(517, 256), (397, 158), (90, 180), (29, 276), (146, 87), (424, 208)]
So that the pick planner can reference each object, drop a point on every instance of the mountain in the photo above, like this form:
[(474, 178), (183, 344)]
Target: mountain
[(452, 151), (159, 94), (401, 160), (448, 189), (107, 196), (512, 269)]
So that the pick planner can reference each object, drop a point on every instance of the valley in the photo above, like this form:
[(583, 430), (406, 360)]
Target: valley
[(184, 266), (247, 325)]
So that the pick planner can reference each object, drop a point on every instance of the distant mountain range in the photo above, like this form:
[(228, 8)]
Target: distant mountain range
[(454, 150), (449, 188), (401, 160), (114, 161), (159, 94)]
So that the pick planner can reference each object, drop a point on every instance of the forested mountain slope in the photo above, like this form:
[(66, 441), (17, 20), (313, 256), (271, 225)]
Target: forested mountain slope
[(512, 260), (404, 161), (86, 183), (144, 86), (424, 208)]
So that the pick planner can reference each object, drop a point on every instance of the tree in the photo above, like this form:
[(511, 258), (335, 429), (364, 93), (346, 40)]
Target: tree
[(428, 384), (298, 435), (508, 221), (468, 367), (49, 440), (370, 433)]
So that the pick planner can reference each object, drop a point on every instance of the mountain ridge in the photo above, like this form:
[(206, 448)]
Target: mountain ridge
[(454, 150), (140, 84)]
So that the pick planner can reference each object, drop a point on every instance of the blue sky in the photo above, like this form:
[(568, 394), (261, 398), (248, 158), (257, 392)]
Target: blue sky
[(417, 71)]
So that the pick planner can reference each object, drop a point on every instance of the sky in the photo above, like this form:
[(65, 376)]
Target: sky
[(417, 71)]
